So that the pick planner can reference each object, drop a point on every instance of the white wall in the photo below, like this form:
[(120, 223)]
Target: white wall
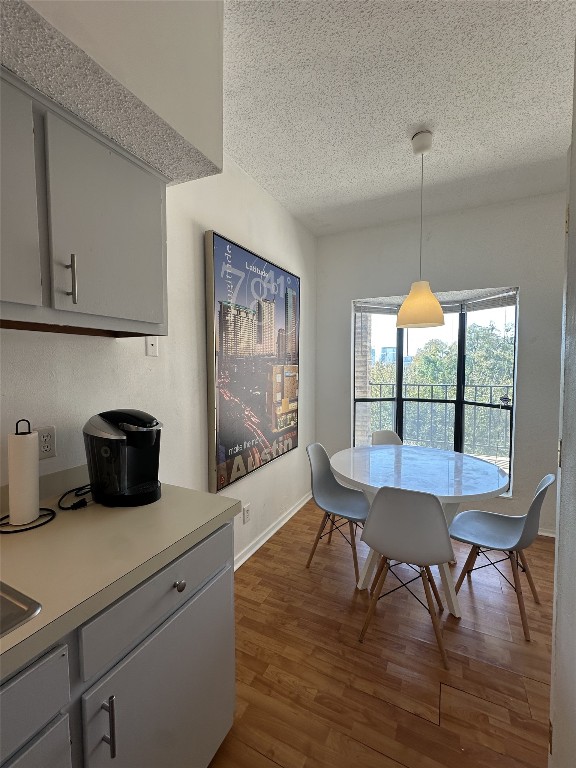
[(63, 380), (238, 208), (563, 692), (169, 54), (518, 244)]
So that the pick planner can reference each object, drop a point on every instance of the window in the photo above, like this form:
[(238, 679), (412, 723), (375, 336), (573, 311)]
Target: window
[(450, 387)]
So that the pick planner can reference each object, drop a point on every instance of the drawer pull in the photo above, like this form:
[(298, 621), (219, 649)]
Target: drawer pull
[(74, 291), (110, 707), (180, 585)]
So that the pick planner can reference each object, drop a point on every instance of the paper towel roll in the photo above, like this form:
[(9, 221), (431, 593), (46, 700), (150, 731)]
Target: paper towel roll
[(23, 477)]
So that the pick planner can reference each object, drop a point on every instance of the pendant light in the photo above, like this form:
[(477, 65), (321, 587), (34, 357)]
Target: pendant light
[(420, 309)]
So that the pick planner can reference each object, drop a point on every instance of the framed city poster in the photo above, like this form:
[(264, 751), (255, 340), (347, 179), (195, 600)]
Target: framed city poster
[(253, 320)]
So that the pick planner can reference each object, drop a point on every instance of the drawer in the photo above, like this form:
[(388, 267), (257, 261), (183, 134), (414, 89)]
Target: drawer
[(50, 749), (174, 693), (117, 629), (31, 699)]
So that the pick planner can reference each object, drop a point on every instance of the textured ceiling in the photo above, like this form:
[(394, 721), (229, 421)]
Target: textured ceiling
[(321, 98)]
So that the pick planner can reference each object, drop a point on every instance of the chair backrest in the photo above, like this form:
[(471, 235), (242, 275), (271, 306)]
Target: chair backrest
[(385, 437), (325, 487), (408, 526), (532, 518)]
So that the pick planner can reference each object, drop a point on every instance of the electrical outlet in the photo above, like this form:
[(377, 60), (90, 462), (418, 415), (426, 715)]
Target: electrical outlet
[(245, 514), (152, 346), (47, 442)]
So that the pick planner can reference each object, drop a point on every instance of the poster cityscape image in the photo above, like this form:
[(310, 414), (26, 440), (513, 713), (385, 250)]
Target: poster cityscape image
[(253, 311)]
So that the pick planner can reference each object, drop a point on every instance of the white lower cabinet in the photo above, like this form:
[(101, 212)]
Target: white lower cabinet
[(28, 703), (146, 683), (170, 702), (50, 749)]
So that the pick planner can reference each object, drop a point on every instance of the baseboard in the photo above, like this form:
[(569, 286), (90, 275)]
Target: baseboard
[(241, 557), (547, 532)]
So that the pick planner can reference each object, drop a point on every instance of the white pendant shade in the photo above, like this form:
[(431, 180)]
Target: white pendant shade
[(420, 309)]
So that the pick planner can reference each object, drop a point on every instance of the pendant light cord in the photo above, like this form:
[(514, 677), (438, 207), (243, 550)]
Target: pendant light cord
[(421, 190)]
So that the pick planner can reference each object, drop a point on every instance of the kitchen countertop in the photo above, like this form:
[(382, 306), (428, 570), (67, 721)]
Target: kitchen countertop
[(86, 559)]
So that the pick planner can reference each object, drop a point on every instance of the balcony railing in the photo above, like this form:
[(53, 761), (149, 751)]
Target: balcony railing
[(477, 393), (429, 411)]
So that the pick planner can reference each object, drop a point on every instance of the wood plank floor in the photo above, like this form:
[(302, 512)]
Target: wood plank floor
[(310, 695)]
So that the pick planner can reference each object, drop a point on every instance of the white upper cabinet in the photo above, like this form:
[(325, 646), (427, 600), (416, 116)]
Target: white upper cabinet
[(20, 276), (83, 226), (107, 212)]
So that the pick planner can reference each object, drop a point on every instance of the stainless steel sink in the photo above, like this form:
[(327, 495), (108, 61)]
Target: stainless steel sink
[(15, 608)]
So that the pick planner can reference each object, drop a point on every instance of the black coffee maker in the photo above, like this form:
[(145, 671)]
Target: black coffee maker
[(123, 451)]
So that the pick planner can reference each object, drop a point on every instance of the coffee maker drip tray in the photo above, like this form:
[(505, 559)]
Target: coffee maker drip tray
[(137, 496)]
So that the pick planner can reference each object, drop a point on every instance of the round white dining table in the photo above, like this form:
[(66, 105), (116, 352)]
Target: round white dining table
[(455, 478)]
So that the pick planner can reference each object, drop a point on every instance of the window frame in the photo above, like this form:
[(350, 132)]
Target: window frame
[(460, 401)]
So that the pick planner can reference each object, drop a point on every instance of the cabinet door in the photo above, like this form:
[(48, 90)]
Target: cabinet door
[(50, 749), (108, 212), (173, 695), (32, 698), (20, 271)]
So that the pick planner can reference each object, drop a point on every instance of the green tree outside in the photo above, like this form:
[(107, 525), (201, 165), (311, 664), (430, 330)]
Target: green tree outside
[(489, 371)]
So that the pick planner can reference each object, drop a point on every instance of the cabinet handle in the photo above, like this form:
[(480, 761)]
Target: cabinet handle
[(110, 707), (74, 291), (180, 585)]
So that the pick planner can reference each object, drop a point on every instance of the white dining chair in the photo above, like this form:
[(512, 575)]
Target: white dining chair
[(340, 504), (385, 437), (408, 527), (489, 531)]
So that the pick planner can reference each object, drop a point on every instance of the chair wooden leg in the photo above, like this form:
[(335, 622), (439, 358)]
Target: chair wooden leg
[(317, 539), (377, 575), (434, 588), (434, 617), (519, 595), (354, 553), (468, 565), (375, 595), (529, 575), (332, 521)]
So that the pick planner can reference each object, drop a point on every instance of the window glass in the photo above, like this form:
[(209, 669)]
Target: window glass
[(489, 362), (489, 379), (430, 361), (478, 340), (373, 416), (487, 434), (383, 356), (374, 374), (429, 424)]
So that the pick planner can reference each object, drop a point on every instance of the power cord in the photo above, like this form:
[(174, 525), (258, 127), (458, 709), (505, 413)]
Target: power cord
[(81, 492), (47, 516)]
